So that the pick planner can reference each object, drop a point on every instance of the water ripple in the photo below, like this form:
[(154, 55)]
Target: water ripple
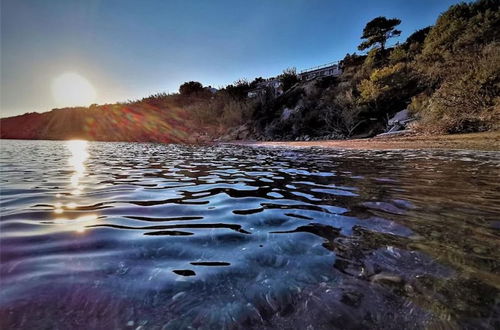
[(166, 236)]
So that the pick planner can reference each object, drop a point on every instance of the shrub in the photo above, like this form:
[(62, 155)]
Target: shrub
[(398, 54), (190, 88), (470, 101), (288, 78), (386, 84)]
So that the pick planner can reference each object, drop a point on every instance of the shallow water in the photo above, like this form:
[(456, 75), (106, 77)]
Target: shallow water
[(127, 235)]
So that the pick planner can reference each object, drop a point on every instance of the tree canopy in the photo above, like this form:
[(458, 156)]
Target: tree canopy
[(288, 78), (190, 88), (378, 30)]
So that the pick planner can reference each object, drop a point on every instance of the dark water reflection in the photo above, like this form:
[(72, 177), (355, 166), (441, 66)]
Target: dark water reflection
[(123, 235)]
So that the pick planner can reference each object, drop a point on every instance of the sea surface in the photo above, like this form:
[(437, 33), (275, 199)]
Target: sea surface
[(101, 235)]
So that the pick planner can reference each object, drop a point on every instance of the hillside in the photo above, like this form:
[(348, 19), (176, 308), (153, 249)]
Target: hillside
[(102, 123), (446, 77)]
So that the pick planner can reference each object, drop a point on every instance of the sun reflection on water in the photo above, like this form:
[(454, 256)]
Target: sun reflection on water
[(79, 155), (78, 225)]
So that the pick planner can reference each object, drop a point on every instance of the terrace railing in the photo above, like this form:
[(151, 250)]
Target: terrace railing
[(320, 67)]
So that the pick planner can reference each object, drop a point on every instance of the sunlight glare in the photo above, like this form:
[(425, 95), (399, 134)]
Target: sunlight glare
[(79, 155), (71, 89)]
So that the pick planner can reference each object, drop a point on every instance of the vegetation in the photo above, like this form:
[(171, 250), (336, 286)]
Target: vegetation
[(191, 88), (288, 78), (378, 30), (447, 75), (459, 62)]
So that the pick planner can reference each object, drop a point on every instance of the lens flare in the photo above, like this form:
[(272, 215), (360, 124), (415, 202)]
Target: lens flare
[(71, 89)]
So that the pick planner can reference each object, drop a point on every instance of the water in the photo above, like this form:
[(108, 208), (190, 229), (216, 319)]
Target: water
[(147, 236)]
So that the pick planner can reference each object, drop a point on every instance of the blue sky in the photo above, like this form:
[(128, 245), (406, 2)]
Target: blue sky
[(130, 49)]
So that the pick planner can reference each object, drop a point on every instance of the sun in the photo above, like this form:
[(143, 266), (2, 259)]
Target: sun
[(71, 89)]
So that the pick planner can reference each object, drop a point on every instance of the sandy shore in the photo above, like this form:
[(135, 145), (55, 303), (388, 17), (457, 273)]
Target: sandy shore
[(489, 141)]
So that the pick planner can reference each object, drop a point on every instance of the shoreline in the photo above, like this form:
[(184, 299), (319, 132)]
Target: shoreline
[(486, 141)]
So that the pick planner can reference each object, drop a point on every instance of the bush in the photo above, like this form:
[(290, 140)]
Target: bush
[(389, 89), (470, 102), (190, 88), (460, 61), (288, 78), (398, 55)]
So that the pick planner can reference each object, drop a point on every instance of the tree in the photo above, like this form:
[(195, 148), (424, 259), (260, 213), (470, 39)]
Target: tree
[(288, 78), (238, 90), (256, 82), (378, 30), (459, 59), (190, 88)]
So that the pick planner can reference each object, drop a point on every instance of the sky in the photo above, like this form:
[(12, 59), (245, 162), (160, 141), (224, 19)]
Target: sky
[(130, 49)]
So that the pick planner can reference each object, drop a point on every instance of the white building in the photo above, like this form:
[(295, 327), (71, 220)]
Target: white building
[(326, 70)]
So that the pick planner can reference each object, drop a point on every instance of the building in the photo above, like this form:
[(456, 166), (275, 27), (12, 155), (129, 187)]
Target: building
[(272, 84), (326, 70)]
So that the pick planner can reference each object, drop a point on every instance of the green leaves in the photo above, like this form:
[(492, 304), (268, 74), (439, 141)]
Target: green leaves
[(378, 30), (460, 60), (384, 82)]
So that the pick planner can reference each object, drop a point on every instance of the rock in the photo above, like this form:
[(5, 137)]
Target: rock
[(286, 114), (399, 118), (399, 122), (243, 132)]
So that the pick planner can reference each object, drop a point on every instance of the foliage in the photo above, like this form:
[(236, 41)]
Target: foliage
[(156, 100), (288, 78), (448, 75), (418, 36), (375, 58), (463, 29), (325, 82), (383, 81), (470, 101), (256, 82), (398, 54), (460, 61), (222, 111), (377, 31), (238, 90), (343, 115), (389, 89), (414, 43), (190, 88), (353, 60)]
